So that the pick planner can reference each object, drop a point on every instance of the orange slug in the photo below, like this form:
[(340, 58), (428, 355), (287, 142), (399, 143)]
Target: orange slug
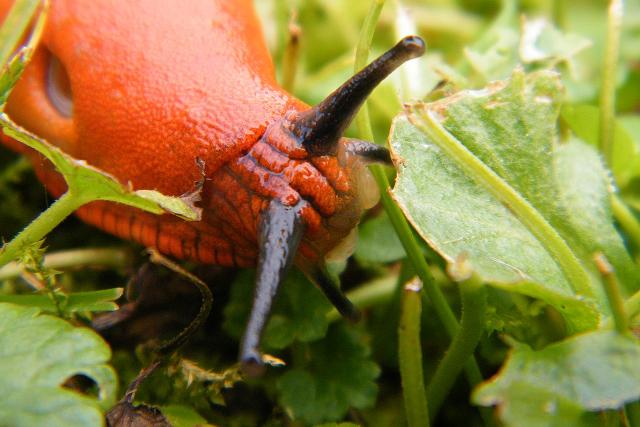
[(159, 94)]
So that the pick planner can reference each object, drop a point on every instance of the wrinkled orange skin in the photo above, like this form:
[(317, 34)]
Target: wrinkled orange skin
[(158, 85)]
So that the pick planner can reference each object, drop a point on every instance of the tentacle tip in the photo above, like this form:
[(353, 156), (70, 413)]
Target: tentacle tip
[(414, 46), (252, 366), (353, 315)]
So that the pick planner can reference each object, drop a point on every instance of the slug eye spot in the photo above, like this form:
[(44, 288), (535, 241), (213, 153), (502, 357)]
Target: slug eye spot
[(59, 87)]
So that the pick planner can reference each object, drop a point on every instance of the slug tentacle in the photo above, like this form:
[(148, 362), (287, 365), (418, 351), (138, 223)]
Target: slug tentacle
[(280, 233), (336, 297), (319, 128), (368, 151)]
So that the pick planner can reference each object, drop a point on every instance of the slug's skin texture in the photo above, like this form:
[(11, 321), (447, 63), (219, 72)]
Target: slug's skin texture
[(158, 88)]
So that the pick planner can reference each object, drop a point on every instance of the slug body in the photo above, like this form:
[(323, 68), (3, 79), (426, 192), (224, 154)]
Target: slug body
[(166, 95)]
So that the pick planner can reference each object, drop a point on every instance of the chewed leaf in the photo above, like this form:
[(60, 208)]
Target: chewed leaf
[(183, 207), (588, 372), (455, 216), (38, 353), (505, 169)]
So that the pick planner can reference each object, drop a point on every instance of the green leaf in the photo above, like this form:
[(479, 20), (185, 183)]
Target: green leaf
[(589, 372), (497, 61), (505, 141), (541, 42), (587, 221), (495, 54), (631, 123), (378, 242), (521, 318), (92, 301), (182, 416), (534, 43), (11, 74), (584, 121), (38, 353), (338, 373), (457, 216), (531, 406), (88, 183), (299, 312)]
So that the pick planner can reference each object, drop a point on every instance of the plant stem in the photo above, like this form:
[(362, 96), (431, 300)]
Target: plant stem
[(612, 290), (372, 293), (474, 305), (632, 305), (366, 34), (168, 347), (626, 218), (398, 221), (632, 410), (410, 356), (291, 56), (13, 171), (560, 14), (532, 219), (411, 247), (14, 25), (103, 257), (620, 319), (363, 123), (39, 227), (608, 89), (393, 211)]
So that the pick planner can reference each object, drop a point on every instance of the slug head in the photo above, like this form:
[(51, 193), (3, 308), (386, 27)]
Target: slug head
[(314, 136)]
